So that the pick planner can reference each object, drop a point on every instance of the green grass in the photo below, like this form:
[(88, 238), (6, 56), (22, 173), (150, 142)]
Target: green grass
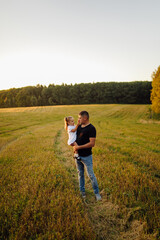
[(39, 198)]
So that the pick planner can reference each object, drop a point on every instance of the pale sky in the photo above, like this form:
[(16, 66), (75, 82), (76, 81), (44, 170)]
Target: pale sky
[(78, 41)]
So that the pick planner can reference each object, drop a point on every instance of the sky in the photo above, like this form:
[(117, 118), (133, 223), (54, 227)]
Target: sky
[(78, 41)]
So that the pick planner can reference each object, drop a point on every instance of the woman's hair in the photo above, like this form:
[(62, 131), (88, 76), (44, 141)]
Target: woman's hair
[(66, 121)]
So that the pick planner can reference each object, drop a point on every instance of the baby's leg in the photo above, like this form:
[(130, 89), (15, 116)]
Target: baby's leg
[(75, 144), (76, 155)]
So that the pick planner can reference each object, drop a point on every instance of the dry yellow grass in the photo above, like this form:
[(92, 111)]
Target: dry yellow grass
[(39, 187)]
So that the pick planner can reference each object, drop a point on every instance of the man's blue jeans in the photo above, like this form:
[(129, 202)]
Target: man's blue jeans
[(87, 161)]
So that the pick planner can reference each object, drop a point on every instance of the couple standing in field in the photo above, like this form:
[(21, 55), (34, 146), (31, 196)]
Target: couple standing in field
[(82, 137)]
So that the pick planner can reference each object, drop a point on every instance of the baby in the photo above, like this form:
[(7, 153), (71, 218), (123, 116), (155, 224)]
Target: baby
[(71, 128)]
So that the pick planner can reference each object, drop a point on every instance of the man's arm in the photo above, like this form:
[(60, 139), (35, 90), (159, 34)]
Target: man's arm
[(90, 144)]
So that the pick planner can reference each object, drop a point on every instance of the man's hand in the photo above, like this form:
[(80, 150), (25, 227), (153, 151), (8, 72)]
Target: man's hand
[(76, 148), (87, 145)]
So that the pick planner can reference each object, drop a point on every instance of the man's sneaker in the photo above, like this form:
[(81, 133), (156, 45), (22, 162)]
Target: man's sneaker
[(98, 196), (83, 194)]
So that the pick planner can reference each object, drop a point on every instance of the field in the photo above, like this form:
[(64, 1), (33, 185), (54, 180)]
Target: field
[(39, 192)]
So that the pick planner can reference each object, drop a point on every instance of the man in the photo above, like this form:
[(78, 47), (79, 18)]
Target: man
[(86, 136)]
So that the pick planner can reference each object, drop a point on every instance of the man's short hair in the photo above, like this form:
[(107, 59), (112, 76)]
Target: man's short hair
[(84, 113)]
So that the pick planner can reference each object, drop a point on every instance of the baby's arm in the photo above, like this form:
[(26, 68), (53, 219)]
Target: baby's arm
[(75, 129)]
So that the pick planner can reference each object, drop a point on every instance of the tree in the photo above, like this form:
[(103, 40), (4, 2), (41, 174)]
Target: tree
[(33, 101), (155, 94), (137, 92)]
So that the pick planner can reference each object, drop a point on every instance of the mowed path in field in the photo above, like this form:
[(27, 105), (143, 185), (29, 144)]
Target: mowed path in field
[(40, 195), (105, 217)]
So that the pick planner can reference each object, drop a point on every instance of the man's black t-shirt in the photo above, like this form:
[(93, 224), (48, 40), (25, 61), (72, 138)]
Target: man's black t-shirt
[(83, 136)]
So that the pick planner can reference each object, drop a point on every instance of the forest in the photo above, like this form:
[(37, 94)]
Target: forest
[(137, 92)]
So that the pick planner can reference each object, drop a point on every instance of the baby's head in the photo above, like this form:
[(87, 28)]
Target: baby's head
[(68, 121)]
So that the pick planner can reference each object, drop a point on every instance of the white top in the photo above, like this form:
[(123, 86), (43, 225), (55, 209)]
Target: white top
[(72, 135)]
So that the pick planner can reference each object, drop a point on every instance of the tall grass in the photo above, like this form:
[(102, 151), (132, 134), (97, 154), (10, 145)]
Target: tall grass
[(39, 200), (127, 161)]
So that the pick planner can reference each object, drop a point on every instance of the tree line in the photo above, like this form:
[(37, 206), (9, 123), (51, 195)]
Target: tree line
[(137, 92)]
